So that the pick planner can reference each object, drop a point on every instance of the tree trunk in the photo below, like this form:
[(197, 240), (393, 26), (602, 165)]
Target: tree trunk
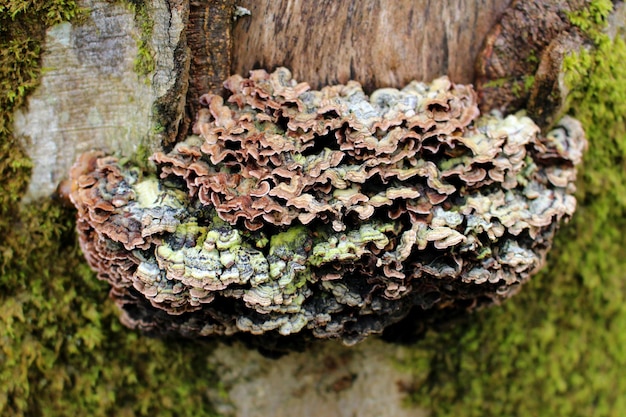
[(91, 96), (379, 43)]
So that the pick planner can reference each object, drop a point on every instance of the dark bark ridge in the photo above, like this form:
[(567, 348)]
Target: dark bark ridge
[(521, 63)]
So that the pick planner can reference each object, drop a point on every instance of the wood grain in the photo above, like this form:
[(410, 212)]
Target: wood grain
[(209, 38), (376, 42)]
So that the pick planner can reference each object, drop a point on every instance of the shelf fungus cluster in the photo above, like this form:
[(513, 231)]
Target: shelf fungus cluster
[(326, 213)]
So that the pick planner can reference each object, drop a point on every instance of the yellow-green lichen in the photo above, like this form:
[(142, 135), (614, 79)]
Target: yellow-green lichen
[(292, 245), (293, 239), (350, 246)]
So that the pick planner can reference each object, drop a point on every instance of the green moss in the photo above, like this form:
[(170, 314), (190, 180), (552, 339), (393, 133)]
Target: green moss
[(497, 83), (532, 58), (22, 31), (592, 18), (519, 86), (64, 351), (62, 348), (144, 63), (141, 159), (529, 80), (559, 347)]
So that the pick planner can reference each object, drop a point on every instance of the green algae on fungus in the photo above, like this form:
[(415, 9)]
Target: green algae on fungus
[(372, 206)]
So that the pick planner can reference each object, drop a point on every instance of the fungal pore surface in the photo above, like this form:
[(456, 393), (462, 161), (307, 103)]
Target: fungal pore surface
[(326, 213)]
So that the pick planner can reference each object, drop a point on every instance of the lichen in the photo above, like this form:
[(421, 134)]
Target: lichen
[(372, 206)]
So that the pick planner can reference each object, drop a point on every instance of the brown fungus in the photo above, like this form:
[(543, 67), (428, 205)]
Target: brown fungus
[(327, 213)]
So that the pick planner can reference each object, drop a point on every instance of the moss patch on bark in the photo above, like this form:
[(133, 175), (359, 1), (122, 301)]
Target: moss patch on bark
[(62, 348), (559, 347)]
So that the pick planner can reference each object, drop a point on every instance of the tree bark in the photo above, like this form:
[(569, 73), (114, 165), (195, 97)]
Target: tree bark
[(209, 36), (380, 43), (91, 98)]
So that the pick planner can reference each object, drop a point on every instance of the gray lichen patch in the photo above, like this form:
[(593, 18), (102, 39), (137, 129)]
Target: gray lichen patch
[(90, 96), (327, 213)]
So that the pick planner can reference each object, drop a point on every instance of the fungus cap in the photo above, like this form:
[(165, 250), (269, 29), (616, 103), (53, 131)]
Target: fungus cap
[(326, 212)]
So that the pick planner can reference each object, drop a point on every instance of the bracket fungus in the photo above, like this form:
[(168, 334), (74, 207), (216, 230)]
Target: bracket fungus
[(326, 213)]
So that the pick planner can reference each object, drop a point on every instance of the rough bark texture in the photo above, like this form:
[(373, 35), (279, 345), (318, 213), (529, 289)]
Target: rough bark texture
[(521, 62), (91, 96), (209, 37), (379, 43)]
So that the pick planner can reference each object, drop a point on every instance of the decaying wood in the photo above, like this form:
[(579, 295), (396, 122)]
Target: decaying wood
[(209, 32), (379, 43), (520, 65)]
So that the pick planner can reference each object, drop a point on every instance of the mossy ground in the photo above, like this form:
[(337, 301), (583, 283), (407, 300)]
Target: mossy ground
[(558, 348), (62, 349)]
